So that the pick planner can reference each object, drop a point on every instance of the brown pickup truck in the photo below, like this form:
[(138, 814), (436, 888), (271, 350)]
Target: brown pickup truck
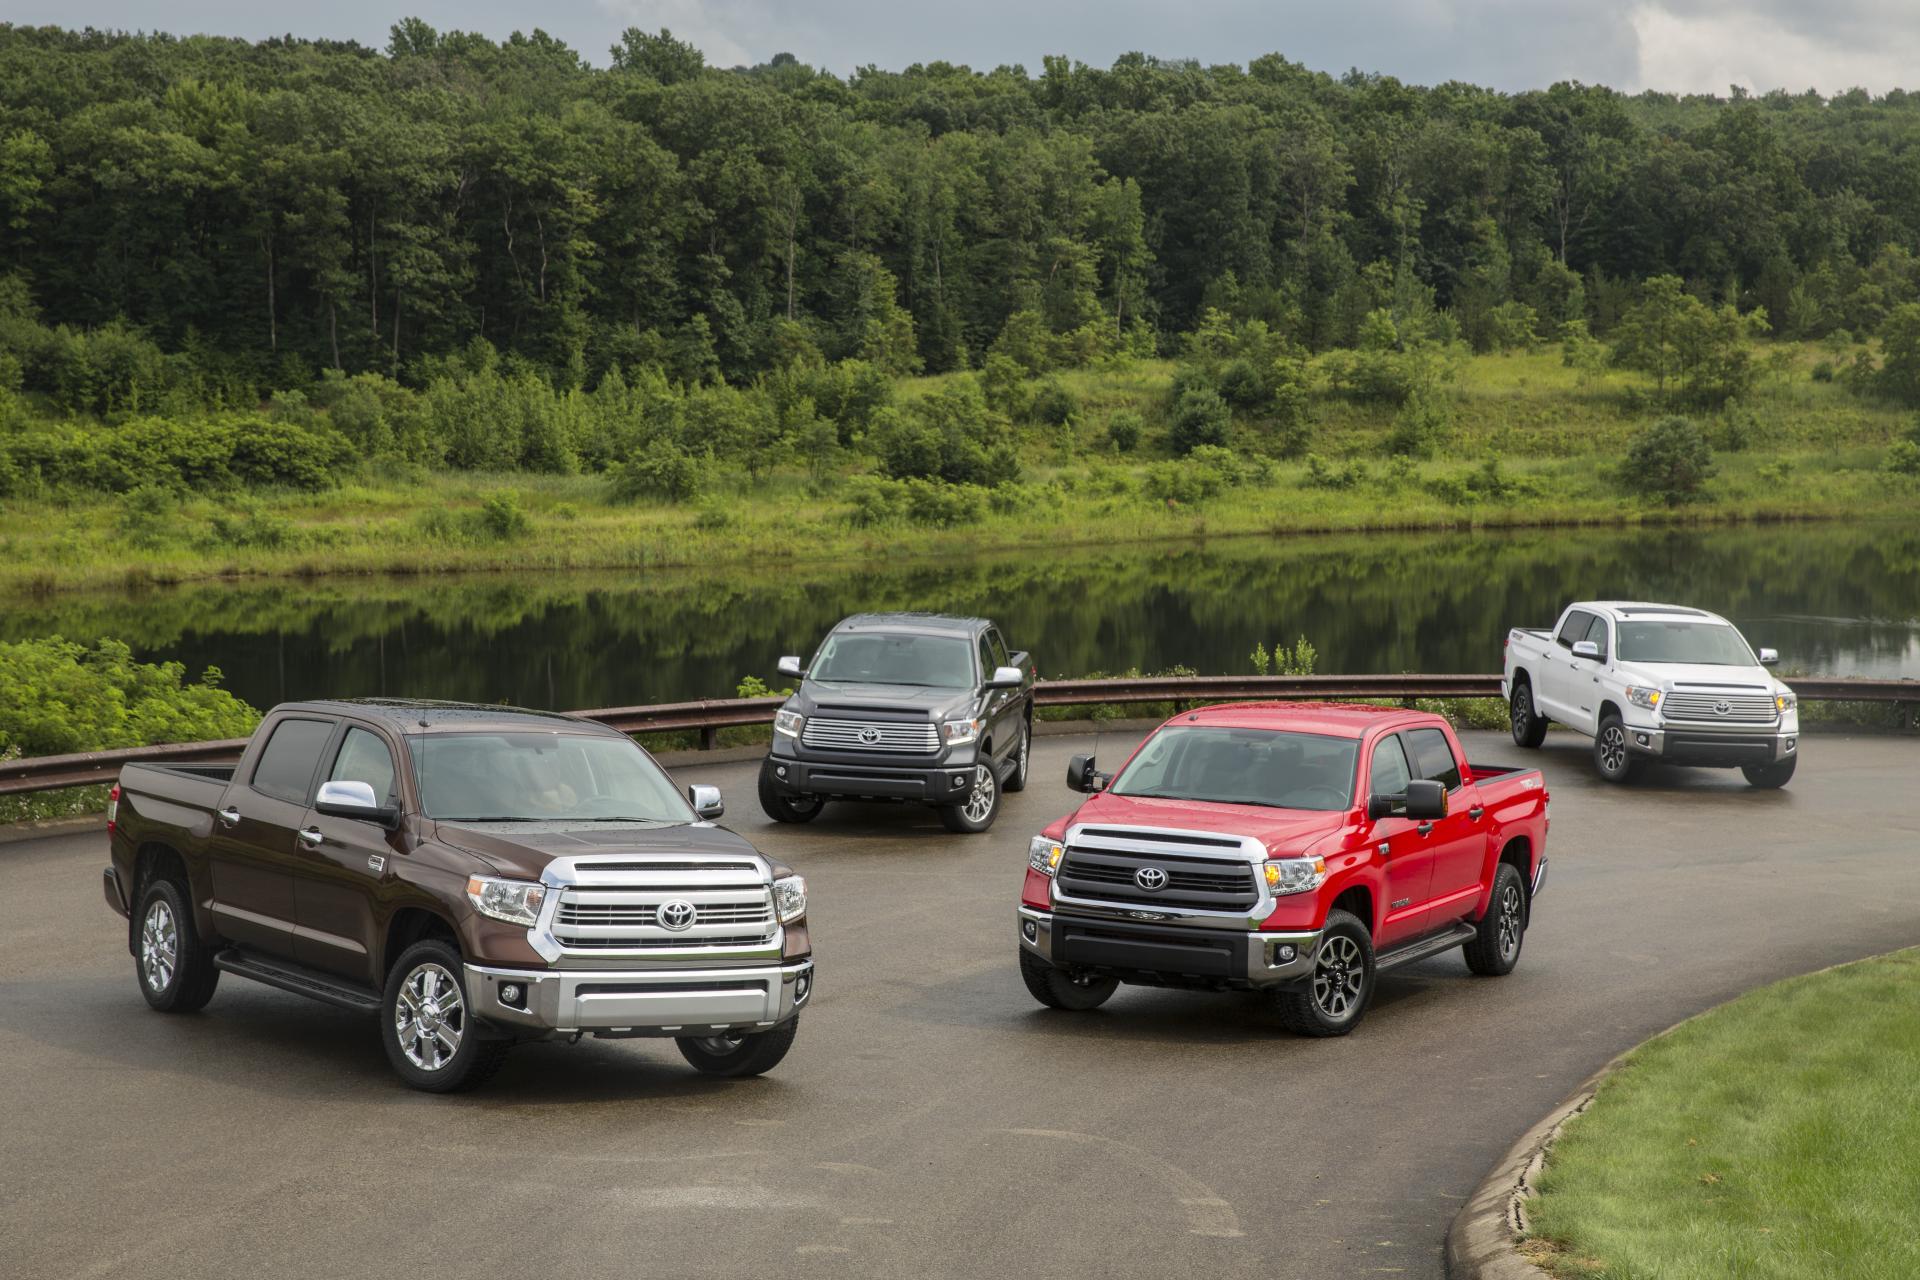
[(476, 876)]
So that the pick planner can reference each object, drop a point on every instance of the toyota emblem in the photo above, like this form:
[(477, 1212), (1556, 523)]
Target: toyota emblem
[(869, 735), (675, 915), (1152, 879), (1723, 708)]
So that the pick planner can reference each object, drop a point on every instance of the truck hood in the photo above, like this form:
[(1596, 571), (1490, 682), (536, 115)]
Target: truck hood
[(834, 695), (523, 849), (1669, 674), (1284, 832)]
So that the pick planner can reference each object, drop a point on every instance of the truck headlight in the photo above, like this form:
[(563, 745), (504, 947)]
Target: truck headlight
[(1648, 698), (1044, 855), (1785, 701), (960, 732), (514, 901), (789, 723), (1295, 875), (790, 898)]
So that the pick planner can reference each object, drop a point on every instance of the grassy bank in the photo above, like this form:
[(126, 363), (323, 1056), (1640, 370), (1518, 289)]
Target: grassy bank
[(1776, 1136), (1530, 443)]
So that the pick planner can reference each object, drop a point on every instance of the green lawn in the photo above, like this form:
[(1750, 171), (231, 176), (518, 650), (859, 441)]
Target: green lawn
[(1775, 1137)]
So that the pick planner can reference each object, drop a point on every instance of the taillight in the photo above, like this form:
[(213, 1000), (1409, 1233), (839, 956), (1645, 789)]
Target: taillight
[(113, 806)]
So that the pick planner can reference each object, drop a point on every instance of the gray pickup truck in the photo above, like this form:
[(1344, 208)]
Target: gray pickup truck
[(474, 876), (903, 706)]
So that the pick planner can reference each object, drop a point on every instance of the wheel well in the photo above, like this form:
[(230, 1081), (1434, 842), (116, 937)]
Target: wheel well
[(1521, 677), (1357, 901), (1519, 855), (410, 925), (154, 861), (1609, 707)]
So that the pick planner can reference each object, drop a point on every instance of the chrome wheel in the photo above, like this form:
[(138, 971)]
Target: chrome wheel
[(979, 805), (1613, 748), (1026, 745), (429, 1018), (1508, 936), (1338, 977), (159, 946)]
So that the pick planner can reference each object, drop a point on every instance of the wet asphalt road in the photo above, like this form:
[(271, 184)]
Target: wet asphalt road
[(931, 1120)]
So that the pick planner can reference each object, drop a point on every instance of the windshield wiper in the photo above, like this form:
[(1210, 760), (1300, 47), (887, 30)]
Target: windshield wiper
[(615, 818), (495, 818)]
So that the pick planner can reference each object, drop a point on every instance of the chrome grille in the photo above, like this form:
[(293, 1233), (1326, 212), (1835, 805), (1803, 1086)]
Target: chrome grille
[(871, 735), (608, 913), (613, 906), (1741, 708)]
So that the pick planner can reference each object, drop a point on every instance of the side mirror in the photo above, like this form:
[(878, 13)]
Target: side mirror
[(353, 800), (706, 802), (1586, 649), (790, 666), (1082, 776), (1421, 801), (1006, 678), (1769, 657)]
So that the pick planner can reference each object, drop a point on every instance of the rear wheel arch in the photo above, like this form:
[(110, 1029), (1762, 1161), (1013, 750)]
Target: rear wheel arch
[(156, 860), (1518, 854)]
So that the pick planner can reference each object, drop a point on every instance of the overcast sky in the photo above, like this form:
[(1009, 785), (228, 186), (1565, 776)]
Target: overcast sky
[(1678, 45)]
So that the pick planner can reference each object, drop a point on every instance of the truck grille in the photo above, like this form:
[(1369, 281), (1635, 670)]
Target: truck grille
[(1741, 708), (871, 735), (615, 906), (1212, 884)]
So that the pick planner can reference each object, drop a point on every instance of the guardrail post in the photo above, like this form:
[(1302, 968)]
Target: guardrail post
[(709, 737)]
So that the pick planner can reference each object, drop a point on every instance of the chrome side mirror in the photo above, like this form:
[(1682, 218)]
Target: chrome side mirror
[(1586, 649), (350, 799), (790, 666), (1769, 657), (706, 802), (1006, 678)]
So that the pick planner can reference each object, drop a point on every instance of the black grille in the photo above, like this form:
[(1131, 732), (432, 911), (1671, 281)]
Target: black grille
[(654, 944), (1206, 883)]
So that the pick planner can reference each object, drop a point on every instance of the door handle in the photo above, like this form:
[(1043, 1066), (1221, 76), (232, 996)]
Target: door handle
[(1476, 811), (1424, 828), (312, 838), (228, 816), (1385, 853)]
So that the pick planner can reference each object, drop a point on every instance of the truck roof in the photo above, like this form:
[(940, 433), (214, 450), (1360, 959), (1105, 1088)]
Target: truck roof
[(1646, 609), (427, 715), (925, 623), (1329, 719)]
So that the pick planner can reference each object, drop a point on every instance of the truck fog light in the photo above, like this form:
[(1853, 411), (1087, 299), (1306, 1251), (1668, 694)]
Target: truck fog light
[(1642, 739), (1791, 743), (1029, 931), (959, 780), (779, 771), (1285, 953), (514, 994), (802, 988)]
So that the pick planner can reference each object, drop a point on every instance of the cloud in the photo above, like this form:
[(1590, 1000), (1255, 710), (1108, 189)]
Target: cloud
[(1706, 47)]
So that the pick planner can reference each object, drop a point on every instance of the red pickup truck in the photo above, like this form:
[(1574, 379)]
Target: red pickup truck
[(1296, 849)]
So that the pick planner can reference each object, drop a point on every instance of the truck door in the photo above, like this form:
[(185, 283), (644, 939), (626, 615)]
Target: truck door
[(1555, 688), (1458, 842), (252, 852), (996, 703), (344, 862), (1407, 855)]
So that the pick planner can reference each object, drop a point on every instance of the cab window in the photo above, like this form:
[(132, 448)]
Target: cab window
[(1598, 634), (1433, 758), (288, 761), (1390, 771), (999, 648), (987, 663), (1574, 629), (364, 758)]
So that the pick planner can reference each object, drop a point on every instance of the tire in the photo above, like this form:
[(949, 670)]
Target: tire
[(1058, 989), (1529, 727), (1770, 776), (434, 1045), (1610, 745), (981, 807), (174, 968), (1334, 999), (781, 807), (1022, 759), (1495, 949), (737, 1056)]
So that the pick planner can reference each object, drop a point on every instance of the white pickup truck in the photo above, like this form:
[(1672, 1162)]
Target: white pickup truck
[(1653, 680)]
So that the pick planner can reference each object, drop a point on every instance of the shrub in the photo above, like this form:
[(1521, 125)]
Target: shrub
[(951, 434), (251, 526), (1199, 417), (265, 452), (1242, 386), (501, 518), (1054, 404), (148, 517), (1420, 426), (662, 471), (1670, 460), (1123, 431), (1283, 661), (874, 500), (57, 696), (943, 505), (1322, 476), (714, 514), (1823, 371), (1903, 459), (1208, 471)]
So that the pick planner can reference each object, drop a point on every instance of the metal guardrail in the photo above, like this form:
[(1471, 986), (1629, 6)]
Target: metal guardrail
[(707, 717)]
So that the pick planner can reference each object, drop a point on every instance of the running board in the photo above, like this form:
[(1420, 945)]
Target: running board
[(297, 979), (1425, 947)]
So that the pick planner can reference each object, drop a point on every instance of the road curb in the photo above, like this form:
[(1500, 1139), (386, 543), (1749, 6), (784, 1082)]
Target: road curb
[(39, 828)]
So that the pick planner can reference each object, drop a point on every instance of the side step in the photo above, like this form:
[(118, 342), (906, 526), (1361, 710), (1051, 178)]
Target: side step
[(1420, 950), (298, 979)]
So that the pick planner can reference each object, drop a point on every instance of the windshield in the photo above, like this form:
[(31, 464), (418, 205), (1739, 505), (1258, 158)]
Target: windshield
[(541, 777), (1711, 644), (1243, 766), (861, 657)]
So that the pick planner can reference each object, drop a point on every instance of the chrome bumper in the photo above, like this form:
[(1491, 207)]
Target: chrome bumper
[(1539, 879), (1260, 963), (640, 1002)]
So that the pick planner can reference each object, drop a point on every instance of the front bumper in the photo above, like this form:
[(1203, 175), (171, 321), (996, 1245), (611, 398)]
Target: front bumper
[(1680, 743), (640, 1002), (1173, 957), (877, 778)]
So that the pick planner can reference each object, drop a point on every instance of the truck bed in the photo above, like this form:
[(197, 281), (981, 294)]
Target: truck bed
[(198, 785)]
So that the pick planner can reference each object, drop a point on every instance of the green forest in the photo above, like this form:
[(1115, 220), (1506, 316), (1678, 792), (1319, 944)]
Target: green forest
[(638, 310)]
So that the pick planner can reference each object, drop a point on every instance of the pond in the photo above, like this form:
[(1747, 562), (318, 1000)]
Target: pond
[(1840, 599)]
